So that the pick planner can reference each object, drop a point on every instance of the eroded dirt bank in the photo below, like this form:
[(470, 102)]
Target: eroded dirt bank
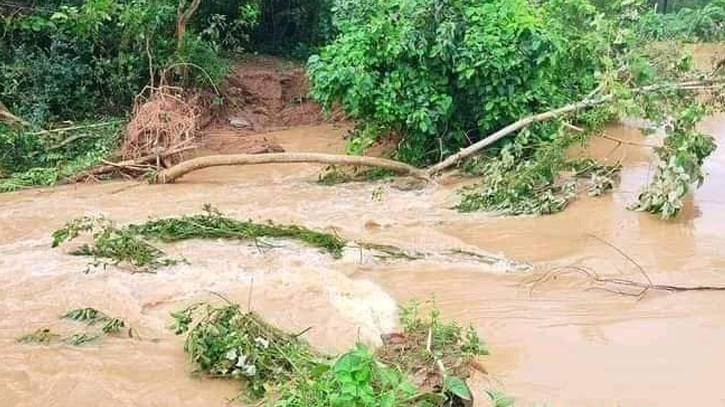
[(559, 343)]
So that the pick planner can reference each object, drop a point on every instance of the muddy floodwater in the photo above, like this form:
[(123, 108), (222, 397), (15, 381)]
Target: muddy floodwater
[(555, 342)]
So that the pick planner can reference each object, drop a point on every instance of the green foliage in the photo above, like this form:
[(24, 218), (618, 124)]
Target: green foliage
[(355, 378), (213, 225), (119, 245), (526, 179), (130, 245), (680, 165), (230, 343), (104, 326), (30, 158), (90, 57), (705, 23), (445, 74), (450, 343), (499, 398)]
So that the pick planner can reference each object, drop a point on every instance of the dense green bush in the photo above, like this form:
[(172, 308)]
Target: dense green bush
[(706, 23), (443, 74), (90, 57)]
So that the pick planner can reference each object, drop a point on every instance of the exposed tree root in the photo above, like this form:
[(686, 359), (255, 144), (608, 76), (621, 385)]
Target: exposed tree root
[(138, 166), (170, 175)]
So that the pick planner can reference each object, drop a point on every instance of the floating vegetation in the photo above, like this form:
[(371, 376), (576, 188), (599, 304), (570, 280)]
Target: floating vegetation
[(104, 326), (43, 336), (520, 180), (228, 342), (131, 245), (424, 365)]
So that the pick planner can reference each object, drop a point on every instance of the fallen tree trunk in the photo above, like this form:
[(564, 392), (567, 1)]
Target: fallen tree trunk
[(170, 175), (552, 114)]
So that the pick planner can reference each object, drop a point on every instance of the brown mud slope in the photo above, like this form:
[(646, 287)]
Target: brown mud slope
[(261, 94)]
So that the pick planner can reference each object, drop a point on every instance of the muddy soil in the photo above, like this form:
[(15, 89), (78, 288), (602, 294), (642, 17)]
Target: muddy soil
[(261, 94)]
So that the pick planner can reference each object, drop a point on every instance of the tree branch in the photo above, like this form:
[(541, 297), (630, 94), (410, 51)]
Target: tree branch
[(170, 175), (552, 114)]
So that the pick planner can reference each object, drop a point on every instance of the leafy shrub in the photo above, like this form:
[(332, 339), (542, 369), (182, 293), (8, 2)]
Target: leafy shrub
[(680, 166), (445, 74)]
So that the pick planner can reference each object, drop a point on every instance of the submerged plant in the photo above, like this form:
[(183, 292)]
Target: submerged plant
[(231, 343), (131, 244), (530, 178), (104, 326), (43, 336), (283, 369), (109, 242)]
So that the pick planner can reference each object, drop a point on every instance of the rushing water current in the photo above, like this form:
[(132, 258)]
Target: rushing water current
[(552, 338)]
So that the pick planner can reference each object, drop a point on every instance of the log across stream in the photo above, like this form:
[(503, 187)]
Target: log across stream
[(558, 343)]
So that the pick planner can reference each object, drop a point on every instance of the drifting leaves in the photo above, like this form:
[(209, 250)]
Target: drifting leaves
[(88, 316)]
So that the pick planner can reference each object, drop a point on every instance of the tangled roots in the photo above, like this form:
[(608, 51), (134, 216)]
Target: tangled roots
[(165, 120)]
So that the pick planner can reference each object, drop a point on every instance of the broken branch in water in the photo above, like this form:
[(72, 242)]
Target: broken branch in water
[(170, 175), (553, 114), (619, 285)]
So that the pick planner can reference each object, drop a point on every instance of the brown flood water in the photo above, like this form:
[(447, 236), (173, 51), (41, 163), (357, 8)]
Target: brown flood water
[(559, 344)]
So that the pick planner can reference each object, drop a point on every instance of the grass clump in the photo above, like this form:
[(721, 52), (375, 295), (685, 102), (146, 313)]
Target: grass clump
[(281, 370), (102, 324), (131, 244), (427, 343)]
